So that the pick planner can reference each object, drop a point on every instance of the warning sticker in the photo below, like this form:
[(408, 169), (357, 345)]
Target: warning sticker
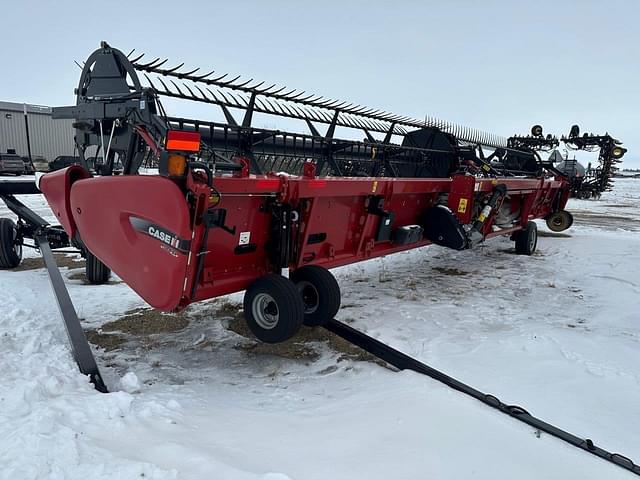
[(244, 238), (462, 206)]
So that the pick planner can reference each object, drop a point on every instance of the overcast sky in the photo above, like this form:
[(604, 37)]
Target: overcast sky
[(499, 66)]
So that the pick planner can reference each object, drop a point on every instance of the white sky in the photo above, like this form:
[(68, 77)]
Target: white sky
[(499, 66)]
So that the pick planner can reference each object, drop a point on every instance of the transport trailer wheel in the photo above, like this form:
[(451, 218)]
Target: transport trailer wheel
[(527, 239), (97, 272), (320, 294), (10, 244), (559, 221), (273, 308)]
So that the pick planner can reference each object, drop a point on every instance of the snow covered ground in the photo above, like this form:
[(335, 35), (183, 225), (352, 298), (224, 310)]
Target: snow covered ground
[(558, 333)]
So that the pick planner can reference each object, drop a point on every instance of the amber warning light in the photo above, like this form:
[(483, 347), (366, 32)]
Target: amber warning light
[(183, 141)]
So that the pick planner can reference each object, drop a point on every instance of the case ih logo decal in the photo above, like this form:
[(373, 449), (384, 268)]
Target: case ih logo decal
[(161, 234)]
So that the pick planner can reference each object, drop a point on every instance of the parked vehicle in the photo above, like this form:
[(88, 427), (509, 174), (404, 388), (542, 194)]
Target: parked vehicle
[(41, 164), (97, 164), (11, 163), (62, 161), (29, 169)]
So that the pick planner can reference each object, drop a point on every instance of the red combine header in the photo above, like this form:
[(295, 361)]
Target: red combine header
[(233, 205)]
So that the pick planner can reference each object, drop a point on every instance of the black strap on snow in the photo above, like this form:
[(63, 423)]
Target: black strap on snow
[(404, 362), (79, 345)]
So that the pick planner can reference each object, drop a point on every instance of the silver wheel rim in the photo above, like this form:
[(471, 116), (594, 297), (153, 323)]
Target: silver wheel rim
[(532, 239), (558, 222), (310, 296), (265, 311), (17, 244)]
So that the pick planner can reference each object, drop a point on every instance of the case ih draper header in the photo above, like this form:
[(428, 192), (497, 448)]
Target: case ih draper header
[(233, 204)]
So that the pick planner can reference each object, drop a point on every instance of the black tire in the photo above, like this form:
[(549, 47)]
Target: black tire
[(273, 308), (559, 221), (97, 272), (527, 239), (10, 244), (320, 294)]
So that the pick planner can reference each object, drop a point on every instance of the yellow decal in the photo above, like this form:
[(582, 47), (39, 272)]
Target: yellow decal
[(481, 217), (462, 206), (214, 199), (374, 187)]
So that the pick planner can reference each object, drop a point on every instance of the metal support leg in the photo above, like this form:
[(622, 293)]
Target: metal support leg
[(79, 345)]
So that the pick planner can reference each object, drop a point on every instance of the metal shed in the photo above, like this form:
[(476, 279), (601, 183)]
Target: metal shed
[(29, 129)]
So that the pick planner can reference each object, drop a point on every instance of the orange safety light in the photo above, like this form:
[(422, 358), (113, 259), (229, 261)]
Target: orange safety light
[(183, 141), (176, 165)]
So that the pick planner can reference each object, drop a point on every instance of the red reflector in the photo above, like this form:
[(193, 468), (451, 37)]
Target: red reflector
[(317, 183), (183, 141), (271, 183)]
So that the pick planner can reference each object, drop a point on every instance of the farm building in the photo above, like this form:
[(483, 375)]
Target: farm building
[(30, 130)]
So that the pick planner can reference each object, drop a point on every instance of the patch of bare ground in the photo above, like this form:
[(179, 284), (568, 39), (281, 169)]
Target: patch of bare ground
[(142, 324), (62, 260), (147, 321), (82, 276), (450, 271), (107, 341), (543, 233), (302, 346)]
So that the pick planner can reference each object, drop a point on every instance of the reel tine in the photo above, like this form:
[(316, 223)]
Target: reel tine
[(150, 82), (201, 92), (177, 87), (234, 99), (188, 74), (193, 95), (287, 109), (330, 104), (226, 100), (265, 91), (298, 110), (136, 59), (357, 109), (213, 81), (244, 84), (342, 106), (202, 77), (171, 70), (277, 91), (246, 102), (229, 83), (305, 99), (150, 65), (129, 54), (255, 87), (213, 95), (166, 89), (262, 105), (297, 95)]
